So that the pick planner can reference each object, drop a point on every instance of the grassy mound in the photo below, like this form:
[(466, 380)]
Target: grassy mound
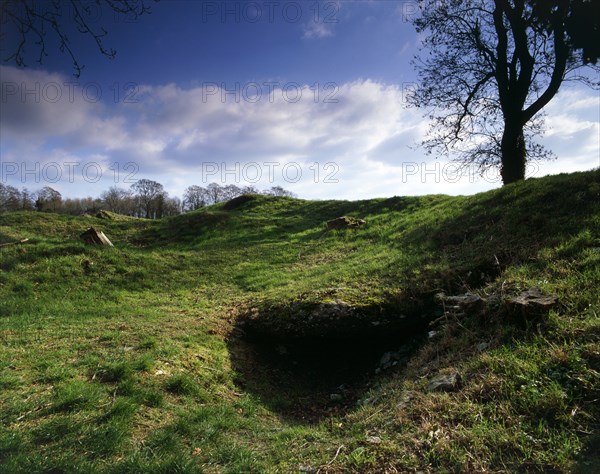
[(137, 358)]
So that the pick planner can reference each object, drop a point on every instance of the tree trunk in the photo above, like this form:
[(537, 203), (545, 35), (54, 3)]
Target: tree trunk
[(513, 154)]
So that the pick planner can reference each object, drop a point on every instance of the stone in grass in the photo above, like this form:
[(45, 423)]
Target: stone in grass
[(392, 359), (444, 382), (307, 468), (345, 222), (531, 305), (336, 397), (468, 302), (482, 346), (373, 440), (533, 298), (406, 397)]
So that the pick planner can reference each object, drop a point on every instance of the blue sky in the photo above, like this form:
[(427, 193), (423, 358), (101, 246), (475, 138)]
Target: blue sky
[(307, 95)]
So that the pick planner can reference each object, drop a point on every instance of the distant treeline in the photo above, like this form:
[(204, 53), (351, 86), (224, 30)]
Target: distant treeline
[(145, 198)]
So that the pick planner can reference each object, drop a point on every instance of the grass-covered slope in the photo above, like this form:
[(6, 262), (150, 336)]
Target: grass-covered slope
[(136, 358)]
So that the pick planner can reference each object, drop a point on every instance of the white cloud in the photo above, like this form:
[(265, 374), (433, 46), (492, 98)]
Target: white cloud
[(317, 30), (573, 130), (357, 135), (324, 17)]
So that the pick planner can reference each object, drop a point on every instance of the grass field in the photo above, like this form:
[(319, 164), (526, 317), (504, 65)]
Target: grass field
[(246, 338)]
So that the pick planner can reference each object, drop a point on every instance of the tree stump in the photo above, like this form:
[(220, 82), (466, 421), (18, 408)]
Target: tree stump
[(95, 237)]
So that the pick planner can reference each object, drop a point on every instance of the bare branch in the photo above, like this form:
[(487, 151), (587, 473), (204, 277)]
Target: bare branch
[(37, 23)]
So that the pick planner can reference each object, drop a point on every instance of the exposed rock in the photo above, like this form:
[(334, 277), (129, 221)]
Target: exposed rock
[(369, 401), (386, 359), (307, 468), (444, 382), (406, 398), (530, 306), (533, 300), (345, 222), (331, 318), (458, 306), (95, 237), (394, 358), (332, 310), (468, 302), (373, 440), (482, 346)]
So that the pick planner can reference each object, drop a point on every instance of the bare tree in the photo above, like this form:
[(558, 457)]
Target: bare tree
[(38, 24), (27, 200), (215, 193), (78, 206), (169, 206), (279, 191), (10, 198), (149, 195), (491, 69), (195, 197), (48, 199), (250, 189), (117, 200), (230, 191)]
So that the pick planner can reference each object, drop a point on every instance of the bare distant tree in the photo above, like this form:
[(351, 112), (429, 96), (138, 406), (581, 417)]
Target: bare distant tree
[(10, 198), (78, 206), (48, 199), (279, 191), (148, 194), (250, 190), (117, 200), (27, 200), (230, 191), (168, 206), (215, 193), (195, 197)]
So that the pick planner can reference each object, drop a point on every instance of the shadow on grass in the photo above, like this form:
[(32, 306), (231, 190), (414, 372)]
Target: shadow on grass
[(308, 377), (588, 461)]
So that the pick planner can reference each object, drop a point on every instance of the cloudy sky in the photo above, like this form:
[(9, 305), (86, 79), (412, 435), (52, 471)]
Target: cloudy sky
[(306, 95)]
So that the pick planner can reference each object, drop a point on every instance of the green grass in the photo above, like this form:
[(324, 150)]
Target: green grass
[(131, 359)]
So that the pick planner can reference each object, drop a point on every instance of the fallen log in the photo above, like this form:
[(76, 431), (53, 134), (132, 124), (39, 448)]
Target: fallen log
[(22, 241)]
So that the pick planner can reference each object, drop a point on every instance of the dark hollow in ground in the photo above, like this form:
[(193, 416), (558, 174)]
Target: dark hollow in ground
[(308, 379)]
